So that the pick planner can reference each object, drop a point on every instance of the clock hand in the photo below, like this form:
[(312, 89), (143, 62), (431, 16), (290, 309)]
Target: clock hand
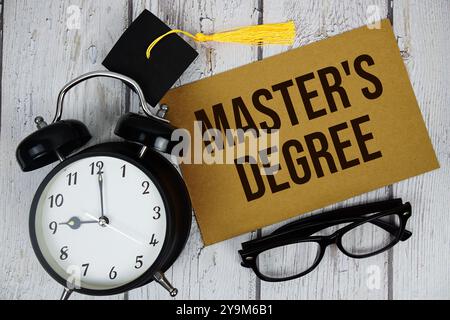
[(114, 229), (75, 223), (103, 221)]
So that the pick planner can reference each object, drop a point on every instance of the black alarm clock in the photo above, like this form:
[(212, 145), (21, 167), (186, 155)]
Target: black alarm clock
[(115, 216)]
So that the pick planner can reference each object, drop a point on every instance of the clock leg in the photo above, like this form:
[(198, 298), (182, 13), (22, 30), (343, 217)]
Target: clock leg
[(162, 280), (66, 294)]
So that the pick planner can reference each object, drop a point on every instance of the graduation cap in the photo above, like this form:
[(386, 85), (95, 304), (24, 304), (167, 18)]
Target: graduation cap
[(155, 56), (168, 62)]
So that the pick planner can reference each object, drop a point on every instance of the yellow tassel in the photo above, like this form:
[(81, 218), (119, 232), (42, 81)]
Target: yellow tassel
[(276, 33)]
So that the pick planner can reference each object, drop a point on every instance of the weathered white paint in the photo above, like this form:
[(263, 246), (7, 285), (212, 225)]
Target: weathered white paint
[(40, 55), (421, 268)]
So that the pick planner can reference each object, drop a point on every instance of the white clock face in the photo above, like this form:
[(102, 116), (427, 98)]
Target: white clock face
[(95, 248)]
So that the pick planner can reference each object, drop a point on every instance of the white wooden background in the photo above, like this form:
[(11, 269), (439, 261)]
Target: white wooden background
[(40, 53)]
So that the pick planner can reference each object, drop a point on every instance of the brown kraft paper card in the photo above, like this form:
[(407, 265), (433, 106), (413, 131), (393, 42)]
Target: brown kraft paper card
[(348, 123)]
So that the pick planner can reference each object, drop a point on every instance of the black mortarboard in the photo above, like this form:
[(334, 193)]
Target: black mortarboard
[(169, 59)]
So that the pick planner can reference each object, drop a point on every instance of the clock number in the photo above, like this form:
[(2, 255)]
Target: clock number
[(158, 213), (53, 226), (86, 267), (139, 262), (146, 186), (153, 241), (72, 179), (99, 165), (112, 274), (64, 254), (56, 200), (124, 170)]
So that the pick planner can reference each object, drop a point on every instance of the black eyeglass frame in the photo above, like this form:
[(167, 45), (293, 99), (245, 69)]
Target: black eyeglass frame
[(301, 231)]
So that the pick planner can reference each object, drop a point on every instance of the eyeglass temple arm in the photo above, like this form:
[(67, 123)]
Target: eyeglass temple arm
[(307, 231), (392, 229), (338, 214), (313, 224)]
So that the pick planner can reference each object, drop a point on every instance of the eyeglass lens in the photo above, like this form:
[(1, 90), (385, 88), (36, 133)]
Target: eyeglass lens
[(287, 261), (296, 258), (370, 237)]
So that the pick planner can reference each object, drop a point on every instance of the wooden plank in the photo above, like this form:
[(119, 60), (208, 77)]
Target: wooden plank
[(337, 277), (40, 54), (421, 266), (1, 61), (213, 272)]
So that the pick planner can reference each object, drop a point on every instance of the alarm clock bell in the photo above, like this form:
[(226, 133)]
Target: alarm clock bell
[(51, 143)]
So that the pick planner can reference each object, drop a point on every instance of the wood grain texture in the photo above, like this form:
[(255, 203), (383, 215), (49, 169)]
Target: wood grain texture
[(1, 61), (337, 277), (421, 267), (213, 272), (40, 55)]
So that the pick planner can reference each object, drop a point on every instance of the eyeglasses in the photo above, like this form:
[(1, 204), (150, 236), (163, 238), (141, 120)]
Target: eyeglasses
[(295, 249)]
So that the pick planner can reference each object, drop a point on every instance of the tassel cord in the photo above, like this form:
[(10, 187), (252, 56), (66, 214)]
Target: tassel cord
[(277, 33)]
